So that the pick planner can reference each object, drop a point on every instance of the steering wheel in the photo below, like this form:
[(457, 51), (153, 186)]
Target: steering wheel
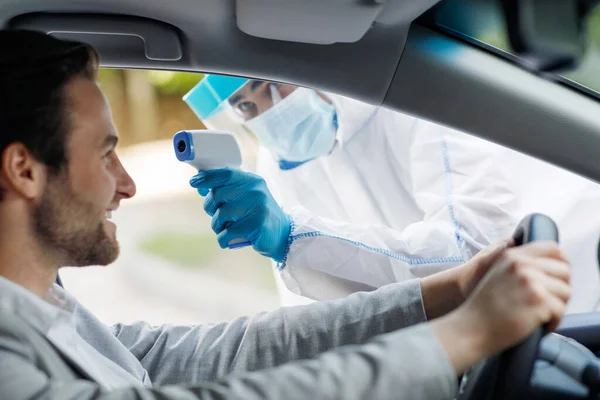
[(506, 376)]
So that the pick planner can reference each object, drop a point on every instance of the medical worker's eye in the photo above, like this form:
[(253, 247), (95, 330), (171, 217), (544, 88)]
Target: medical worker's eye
[(246, 107)]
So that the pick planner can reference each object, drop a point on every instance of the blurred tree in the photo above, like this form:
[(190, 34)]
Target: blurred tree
[(143, 104), (594, 26), (173, 83)]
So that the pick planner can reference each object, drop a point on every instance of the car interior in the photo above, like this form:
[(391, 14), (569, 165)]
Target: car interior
[(522, 88)]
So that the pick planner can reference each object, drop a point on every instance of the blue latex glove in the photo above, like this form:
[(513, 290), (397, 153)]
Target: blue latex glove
[(242, 207)]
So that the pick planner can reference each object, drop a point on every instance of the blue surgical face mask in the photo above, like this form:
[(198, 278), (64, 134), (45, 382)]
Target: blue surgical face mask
[(297, 128)]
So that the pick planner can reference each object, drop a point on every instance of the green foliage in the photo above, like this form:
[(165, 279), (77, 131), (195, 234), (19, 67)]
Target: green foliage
[(200, 250), (183, 249), (106, 74), (593, 24), (173, 83)]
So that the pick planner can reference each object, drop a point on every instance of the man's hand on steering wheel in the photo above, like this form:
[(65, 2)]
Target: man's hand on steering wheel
[(525, 288)]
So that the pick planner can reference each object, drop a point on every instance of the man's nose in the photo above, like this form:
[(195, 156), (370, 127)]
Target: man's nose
[(125, 184)]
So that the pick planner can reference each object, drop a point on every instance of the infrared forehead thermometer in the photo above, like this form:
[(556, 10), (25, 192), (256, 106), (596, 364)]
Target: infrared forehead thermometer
[(204, 150)]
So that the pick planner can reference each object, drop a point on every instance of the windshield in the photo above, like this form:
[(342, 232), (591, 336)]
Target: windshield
[(482, 23)]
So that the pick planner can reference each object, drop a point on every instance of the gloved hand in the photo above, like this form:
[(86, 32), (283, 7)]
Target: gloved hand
[(242, 207)]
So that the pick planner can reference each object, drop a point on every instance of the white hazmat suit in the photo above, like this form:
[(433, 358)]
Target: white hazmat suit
[(397, 198)]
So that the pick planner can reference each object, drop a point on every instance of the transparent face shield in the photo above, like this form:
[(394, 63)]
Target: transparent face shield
[(296, 124), (208, 100)]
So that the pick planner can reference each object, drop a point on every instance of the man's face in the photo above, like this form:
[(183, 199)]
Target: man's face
[(73, 214), (254, 98)]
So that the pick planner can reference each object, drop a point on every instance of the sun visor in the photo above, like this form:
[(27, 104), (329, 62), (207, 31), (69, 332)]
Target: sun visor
[(308, 21)]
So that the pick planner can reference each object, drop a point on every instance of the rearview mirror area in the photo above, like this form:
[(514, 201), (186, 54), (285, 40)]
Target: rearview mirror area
[(556, 39), (544, 36), (549, 36)]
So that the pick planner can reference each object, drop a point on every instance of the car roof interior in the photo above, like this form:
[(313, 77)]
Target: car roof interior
[(383, 52)]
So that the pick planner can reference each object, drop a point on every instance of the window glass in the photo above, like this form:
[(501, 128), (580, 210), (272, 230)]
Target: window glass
[(375, 196), (171, 268), (483, 20)]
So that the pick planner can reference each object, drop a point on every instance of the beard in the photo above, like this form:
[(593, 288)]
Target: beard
[(72, 228)]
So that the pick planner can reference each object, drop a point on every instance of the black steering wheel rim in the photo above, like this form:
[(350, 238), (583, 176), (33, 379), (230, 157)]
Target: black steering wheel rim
[(507, 376)]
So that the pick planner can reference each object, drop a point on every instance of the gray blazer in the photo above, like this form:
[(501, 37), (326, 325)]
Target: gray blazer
[(326, 350)]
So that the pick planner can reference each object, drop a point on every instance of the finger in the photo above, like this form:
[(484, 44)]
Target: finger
[(492, 251), (223, 195), (510, 241), (210, 178), (556, 309), (243, 229), (219, 222), (486, 262), (542, 248), (505, 241), (211, 205), (549, 266), (551, 285), (215, 178), (202, 191), (242, 193), (228, 214), (227, 235)]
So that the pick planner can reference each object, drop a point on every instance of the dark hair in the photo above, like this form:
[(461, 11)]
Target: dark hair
[(34, 70)]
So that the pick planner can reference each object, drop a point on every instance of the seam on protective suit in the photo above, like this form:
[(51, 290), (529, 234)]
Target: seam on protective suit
[(448, 172), (409, 260), (281, 265), (386, 252)]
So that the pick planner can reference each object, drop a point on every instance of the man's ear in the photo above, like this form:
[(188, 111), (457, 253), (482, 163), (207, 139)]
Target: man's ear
[(21, 172)]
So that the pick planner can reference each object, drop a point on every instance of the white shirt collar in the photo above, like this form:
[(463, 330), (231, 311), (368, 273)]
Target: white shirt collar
[(38, 312)]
